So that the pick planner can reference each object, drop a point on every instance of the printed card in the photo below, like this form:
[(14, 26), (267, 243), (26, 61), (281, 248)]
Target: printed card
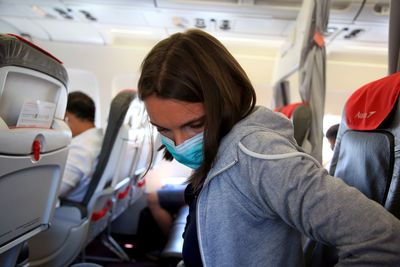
[(36, 114)]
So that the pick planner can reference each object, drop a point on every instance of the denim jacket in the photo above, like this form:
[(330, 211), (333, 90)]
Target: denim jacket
[(263, 193)]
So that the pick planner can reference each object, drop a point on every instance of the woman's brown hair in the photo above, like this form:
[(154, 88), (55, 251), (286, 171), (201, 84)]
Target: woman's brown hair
[(195, 67)]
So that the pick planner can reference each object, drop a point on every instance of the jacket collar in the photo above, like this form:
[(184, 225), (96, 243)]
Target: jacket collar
[(260, 119), (227, 155)]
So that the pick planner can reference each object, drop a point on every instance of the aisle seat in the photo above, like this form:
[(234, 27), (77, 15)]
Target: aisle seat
[(369, 134), (77, 223)]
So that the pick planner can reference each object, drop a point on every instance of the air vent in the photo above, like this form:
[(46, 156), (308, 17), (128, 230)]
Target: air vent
[(63, 13), (88, 15), (382, 9), (200, 23), (353, 33), (225, 25)]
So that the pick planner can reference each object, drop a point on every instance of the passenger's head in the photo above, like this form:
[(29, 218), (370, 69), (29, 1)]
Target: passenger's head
[(331, 135), (194, 67), (80, 112)]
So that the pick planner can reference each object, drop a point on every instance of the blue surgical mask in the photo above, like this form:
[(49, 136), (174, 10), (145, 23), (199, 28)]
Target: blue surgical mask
[(189, 153)]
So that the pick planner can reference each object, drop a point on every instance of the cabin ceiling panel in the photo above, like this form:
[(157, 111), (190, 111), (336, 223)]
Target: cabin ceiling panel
[(27, 27), (11, 9), (66, 31), (262, 26), (91, 20), (241, 7), (115, 15)]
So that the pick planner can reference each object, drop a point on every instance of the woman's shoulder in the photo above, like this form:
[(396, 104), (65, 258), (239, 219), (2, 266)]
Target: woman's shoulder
[(266, 141)]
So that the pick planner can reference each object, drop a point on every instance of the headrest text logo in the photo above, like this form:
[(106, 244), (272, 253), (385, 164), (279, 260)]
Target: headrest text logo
[(364, 115)]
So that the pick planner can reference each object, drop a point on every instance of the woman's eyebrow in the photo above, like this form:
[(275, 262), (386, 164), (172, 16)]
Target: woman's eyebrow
[(194, 121), (158, 126), (183, 125)]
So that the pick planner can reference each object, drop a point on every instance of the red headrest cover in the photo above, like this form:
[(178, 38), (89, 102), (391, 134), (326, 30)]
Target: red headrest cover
[(289, 109), (368, 107), (34, 46)]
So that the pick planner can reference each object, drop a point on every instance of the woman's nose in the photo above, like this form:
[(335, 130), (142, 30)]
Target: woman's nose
[(179, 138)]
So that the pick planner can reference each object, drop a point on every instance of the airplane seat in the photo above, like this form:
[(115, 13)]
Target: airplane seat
[(115, 149), (77, 223), (34, 141), (149, 157), (300, 115), (62, 242), (146, 160), (125, 157), (133, 136), (172, 251), (369, 134)]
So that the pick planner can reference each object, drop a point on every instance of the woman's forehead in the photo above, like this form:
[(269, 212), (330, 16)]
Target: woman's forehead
[(171, 113)]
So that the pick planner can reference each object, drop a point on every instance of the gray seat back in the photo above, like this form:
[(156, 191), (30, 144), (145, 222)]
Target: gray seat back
[(33, 138), (73, 230), (366, 150), (99, 196), (300, 115), (370, 133), (133, 136)]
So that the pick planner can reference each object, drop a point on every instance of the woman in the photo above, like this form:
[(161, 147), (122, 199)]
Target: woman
[(253, 192)]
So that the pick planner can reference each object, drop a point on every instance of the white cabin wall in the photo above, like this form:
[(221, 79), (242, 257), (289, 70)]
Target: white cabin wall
[(260, 70), (345, 72), (348, 71)]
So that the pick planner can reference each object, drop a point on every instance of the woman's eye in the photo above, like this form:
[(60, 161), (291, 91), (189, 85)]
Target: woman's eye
[(196, 126), (161, 130)]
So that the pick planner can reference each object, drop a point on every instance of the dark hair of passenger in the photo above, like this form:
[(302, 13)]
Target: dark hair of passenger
[(81, 105), (195, 67), (332, 132)]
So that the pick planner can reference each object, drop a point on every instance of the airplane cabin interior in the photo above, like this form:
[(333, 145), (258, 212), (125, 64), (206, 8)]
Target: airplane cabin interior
[(305, 59)]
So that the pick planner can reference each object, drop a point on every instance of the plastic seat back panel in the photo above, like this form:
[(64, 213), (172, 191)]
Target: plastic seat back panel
[(34, 139), (358, 165)]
